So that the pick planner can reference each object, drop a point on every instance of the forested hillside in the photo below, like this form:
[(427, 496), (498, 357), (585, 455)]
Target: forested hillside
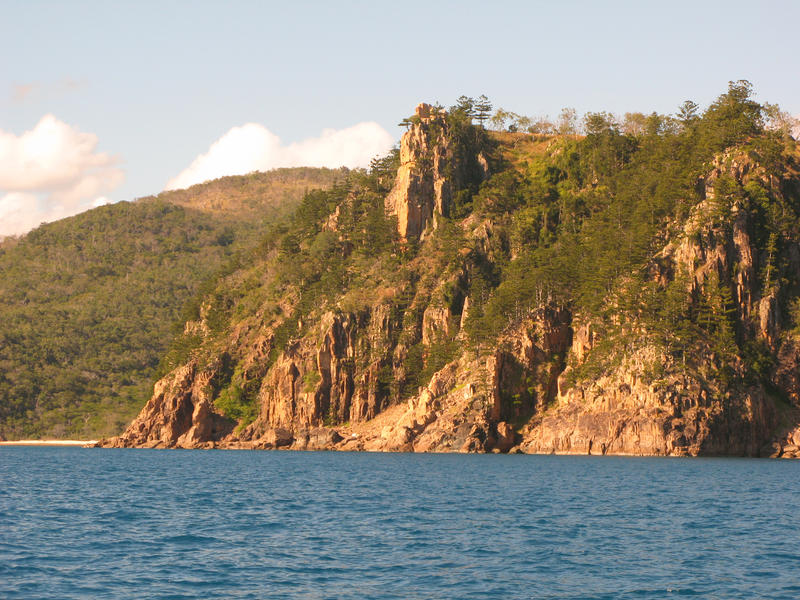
[(88, 304), (628, 286)]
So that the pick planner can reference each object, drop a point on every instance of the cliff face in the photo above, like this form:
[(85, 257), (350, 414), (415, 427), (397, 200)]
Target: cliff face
[(330, 376), (649, 404), (179, 414), (625, 413), (430, 171), (398, 372)]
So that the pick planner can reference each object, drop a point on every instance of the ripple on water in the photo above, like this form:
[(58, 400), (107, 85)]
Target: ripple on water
[(131, 524)]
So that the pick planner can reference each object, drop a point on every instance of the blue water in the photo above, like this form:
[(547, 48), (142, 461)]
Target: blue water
[(78, 523)]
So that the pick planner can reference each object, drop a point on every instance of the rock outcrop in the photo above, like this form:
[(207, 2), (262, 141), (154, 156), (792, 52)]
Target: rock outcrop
[(431, 171), (549, 383), (331, 375), (179, 414), (650, 405), (624, 413)]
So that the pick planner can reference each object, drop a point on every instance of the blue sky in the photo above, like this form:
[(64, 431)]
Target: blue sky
[(140, 90)]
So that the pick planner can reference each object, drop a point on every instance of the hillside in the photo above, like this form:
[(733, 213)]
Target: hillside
[(264, 196), (629, 293), (87, 304)]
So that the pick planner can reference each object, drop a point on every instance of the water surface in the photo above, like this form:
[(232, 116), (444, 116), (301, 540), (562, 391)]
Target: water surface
[(81, 523)]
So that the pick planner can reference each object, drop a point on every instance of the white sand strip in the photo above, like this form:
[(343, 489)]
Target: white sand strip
[(49, 443)]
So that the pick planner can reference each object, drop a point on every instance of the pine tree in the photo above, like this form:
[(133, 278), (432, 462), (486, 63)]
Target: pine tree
[(466, 106), (483, 108)]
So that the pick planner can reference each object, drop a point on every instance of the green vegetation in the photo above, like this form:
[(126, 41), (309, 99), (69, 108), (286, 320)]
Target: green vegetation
[(574, 214), (585, 219), (88, 304), (575, 220), (238, 399), (262, 195)]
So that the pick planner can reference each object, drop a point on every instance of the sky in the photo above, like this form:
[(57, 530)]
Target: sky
[(109, 101)]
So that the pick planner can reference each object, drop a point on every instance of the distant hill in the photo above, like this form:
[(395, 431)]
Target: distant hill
[(259, 194), (87, 303)]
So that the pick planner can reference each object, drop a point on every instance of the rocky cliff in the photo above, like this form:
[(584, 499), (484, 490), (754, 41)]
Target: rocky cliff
[(431, 170), (650, 405), (390, 361)]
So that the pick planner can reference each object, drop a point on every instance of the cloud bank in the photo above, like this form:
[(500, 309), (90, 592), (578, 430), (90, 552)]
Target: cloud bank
[(253, 147), (51, 172)]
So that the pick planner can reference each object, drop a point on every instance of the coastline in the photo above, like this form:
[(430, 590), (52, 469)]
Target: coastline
[(344, 447), (49, 443)]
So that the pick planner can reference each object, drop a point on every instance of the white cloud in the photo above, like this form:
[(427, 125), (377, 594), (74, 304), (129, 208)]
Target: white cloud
[(16, 209), (252, 147), (51, 172)]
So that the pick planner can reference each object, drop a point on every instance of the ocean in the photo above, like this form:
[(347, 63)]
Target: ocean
[(91, 523)]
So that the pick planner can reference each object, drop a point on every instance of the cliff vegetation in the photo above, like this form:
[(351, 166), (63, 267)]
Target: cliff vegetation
[(615, 286)]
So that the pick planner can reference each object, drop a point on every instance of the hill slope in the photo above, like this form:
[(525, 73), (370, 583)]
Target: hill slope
[(613, 293), (87, 303)]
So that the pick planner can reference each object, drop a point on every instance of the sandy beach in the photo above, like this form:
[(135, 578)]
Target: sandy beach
[(49, 443)]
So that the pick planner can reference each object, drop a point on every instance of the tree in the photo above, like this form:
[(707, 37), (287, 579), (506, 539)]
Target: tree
[(716, 316), (515, 122), (523, 123), (769, 268), (734, 116), (466, 106), (386, 165), (499, 118), (567, 123), (483, 109), (634, 123), (779, 121), (599, 122), (687, 112), (541, 125)]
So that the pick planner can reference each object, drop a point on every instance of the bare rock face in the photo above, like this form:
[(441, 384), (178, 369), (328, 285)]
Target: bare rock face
[(583, 341), (317, 380), (786, 375), (318, 438), (463, 406), (525, 367), (429, 174), (179, 414), (274, 439), (506, 437), (769, 320), (421, 187), (787, 444), (437, 323), (625, 413)]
